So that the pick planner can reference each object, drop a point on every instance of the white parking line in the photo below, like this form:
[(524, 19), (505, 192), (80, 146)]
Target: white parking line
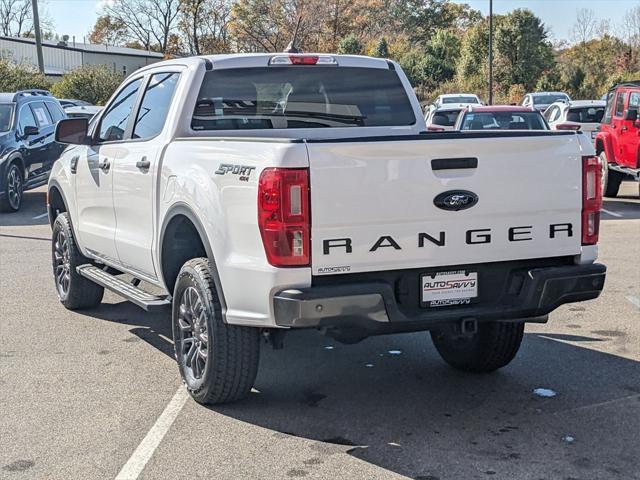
[(150, 442), (634, 300), (42, 215), (613, 214)]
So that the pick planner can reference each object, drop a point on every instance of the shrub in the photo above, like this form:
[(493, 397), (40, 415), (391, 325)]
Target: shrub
[(350, 45), (92, 83), (15, 77)]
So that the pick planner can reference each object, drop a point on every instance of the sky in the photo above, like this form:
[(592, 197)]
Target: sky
[(76, 17)]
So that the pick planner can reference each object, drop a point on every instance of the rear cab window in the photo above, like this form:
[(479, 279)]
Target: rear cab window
[(287, 97)]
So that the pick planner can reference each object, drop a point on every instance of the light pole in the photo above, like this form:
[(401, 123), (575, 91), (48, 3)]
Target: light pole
[(490, 52), (36, 27)]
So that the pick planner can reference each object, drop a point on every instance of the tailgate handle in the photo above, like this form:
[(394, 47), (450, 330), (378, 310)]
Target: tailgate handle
[(453, 163)]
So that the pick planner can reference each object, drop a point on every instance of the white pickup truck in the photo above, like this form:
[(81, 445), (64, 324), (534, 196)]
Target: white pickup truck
[(267, 192)]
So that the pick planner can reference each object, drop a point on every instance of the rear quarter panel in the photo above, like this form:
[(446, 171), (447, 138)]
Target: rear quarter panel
[(226, 207)]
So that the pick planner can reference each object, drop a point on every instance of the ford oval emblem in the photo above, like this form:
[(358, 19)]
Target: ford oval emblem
[(455, 200)]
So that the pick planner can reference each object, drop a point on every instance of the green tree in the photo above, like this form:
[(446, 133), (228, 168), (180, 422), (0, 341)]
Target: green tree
[(523, 51), (382, 49), (442, 54), (350, 45), (20, 77), (93, 84)]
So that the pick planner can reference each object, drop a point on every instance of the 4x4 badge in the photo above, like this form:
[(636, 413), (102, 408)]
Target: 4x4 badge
[(455, 200)]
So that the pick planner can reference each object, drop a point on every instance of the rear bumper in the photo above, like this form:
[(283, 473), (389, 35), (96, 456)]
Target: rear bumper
[(373, 305)]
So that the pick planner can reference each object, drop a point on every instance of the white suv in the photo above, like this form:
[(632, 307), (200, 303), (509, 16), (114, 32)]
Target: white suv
[(584, 115)]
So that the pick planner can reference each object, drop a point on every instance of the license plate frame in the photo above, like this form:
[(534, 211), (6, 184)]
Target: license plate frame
[(448, 288)]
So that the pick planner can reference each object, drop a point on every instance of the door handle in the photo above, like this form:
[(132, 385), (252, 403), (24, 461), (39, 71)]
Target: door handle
[(143, 164), (74, 164), (104, 165)]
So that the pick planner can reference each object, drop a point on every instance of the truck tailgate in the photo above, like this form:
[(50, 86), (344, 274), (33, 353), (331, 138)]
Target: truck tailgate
[(372, 201)]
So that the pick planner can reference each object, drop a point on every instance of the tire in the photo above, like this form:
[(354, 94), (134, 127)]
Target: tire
[(610, 180), (13, 189), (74, 291), (493, 346), (217, 362)]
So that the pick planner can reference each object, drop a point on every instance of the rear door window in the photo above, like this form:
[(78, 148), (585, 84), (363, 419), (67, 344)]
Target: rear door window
[(41, 114), (634, 100), (155, 105), (620, 104), (285, 97)]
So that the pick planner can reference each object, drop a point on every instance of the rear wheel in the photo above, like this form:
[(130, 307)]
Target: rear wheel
[(218, 362), (610, 180), (13, 189), (74, 291), (493, 346)]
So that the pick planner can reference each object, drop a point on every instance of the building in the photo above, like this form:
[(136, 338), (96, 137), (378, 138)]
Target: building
[(61, 57)]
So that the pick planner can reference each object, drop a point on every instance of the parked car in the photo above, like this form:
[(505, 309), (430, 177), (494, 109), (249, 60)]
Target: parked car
[(440, 119), (83, 111), (270, 192), (583, 115), (27, 145), (458, 98), (500, 117), (618, 141), (542, 100), (72, 102), (452, 100)]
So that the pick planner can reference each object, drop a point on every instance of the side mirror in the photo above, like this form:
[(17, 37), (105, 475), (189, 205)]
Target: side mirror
[(30, 130), (73, 131), (632, 114)]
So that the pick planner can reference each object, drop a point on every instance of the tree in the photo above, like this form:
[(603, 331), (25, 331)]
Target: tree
[(585, 26), (16, 19), (93, 84), (204, 25), (382, 49), (523, 51), (108, 30), (149, 22), (631, 26), (15, 77), (442, 54), (350, 45)]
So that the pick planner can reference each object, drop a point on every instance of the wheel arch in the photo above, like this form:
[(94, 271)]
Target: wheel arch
[(56, 201), (172, 255), (15, 157)]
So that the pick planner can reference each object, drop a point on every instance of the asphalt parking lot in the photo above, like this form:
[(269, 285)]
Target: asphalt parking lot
[(96, 394)]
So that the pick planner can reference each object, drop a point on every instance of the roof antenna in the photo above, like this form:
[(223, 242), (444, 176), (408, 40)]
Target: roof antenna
[(291, 48)]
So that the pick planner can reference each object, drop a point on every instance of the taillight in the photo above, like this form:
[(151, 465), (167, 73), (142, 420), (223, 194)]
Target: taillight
[(284, 216), (591, 199)]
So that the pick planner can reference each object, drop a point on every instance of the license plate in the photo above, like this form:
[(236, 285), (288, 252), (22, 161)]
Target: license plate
[(449, 288)]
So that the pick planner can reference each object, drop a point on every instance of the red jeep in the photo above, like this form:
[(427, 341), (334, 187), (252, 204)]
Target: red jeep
[(618, 140)]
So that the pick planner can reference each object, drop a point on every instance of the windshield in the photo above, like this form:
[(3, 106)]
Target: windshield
[(459, 100), (548, 99), (301, 97), (446, 118), (585, 114), (6, 114), (503, 121)]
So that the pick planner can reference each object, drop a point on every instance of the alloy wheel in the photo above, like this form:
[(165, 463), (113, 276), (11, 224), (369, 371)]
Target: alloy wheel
[(62, 263), (194, 339), (14, 187)]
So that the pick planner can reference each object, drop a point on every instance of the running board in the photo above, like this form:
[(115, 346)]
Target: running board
[(148, 301)]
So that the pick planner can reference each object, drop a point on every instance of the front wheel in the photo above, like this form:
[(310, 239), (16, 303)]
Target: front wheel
[(74, 291), (493, 346), (13, 189), (218, 362)]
